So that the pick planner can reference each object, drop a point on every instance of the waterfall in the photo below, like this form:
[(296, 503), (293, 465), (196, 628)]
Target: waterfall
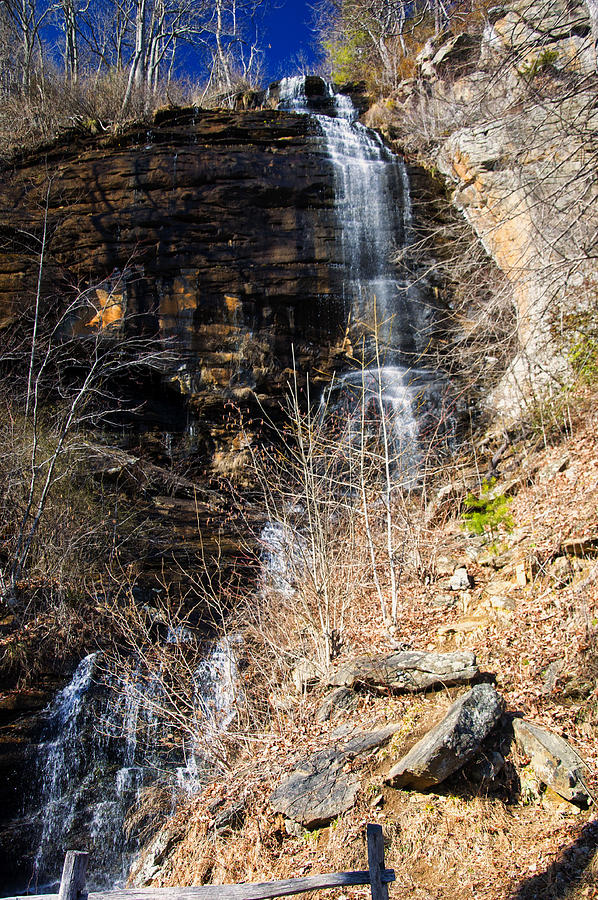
[(89, 773), (104, 739), (284, 558), (373, 210), (375, 220), (361, 400), (60, 755)]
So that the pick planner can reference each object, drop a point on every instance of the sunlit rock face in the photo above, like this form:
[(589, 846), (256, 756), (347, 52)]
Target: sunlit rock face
[(519, 161), (508, 115)]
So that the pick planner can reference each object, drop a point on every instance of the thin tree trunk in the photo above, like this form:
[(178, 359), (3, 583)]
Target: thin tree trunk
[(137, 70)]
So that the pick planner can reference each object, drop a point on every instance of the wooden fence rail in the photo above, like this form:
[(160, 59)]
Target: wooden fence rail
[(72, 885)]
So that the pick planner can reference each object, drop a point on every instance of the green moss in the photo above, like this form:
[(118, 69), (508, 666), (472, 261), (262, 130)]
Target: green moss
[(544, 60)]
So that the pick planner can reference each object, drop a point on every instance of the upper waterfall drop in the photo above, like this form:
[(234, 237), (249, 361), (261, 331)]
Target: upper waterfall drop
[(389, 317), (373, 208)]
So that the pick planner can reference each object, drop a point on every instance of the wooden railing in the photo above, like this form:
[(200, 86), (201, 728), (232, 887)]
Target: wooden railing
[(72, 885)]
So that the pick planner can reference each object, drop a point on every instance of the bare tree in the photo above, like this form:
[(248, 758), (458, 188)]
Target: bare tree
[(27, 18)]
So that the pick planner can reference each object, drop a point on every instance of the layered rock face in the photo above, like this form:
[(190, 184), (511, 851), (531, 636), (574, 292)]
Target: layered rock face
[(212, 229), (512, 120), (524, 183)]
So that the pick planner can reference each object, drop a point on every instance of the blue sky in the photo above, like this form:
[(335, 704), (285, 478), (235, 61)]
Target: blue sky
[(286, 33)]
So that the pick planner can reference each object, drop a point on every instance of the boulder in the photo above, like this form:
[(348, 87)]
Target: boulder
[(555, 763), (461, 580), (226, 821), (319, 789), (485, 767), (342, 700), (552, 468), (448, 746), (305, 675), (157, 851), (408, 670)]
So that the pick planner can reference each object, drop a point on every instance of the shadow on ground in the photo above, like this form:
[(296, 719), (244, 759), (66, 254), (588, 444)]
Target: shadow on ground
[(577, 866)]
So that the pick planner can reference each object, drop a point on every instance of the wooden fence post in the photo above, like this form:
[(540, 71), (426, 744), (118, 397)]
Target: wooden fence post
[(72, 883), (376, 862)]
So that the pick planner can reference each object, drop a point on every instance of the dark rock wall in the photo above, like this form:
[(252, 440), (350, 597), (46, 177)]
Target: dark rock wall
[(212, 228)]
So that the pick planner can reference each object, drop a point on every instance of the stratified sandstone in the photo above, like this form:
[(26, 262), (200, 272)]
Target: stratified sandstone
[(214, 229)]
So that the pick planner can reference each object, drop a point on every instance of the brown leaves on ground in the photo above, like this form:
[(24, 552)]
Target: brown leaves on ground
[(542, 645)]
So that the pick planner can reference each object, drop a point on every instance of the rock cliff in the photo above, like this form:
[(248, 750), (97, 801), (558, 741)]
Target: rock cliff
[(509, 117), (211, 230)]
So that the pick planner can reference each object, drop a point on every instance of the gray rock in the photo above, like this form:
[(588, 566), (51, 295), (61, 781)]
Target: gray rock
[(305, 675), (449, 745), (319, 789), (342, 700), (485, 767), (555, 763), (154, 856), (552, 468), (408, 670), (461, 580), (364, 742), (552, 675), (561, 571), (230, 818)]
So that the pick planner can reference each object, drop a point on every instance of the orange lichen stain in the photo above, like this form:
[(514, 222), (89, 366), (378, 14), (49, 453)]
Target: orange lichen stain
[(185, 286), (233, 306), (110, 312), (172, 305)]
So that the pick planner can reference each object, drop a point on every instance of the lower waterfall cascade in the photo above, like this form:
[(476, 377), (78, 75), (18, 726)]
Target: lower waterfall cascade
[(101, 744)]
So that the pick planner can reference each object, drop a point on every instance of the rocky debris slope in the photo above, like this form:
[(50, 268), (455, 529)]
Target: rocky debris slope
[(326, 784)]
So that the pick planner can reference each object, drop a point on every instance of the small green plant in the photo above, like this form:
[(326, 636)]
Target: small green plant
[(544, 60), (312, 837), (486, 512), (583, 356)]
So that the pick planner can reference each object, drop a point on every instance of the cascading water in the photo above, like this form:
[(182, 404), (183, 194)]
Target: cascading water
[(373, 210), (60, 755), (374, 214), (92, 762), (104, 739)]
